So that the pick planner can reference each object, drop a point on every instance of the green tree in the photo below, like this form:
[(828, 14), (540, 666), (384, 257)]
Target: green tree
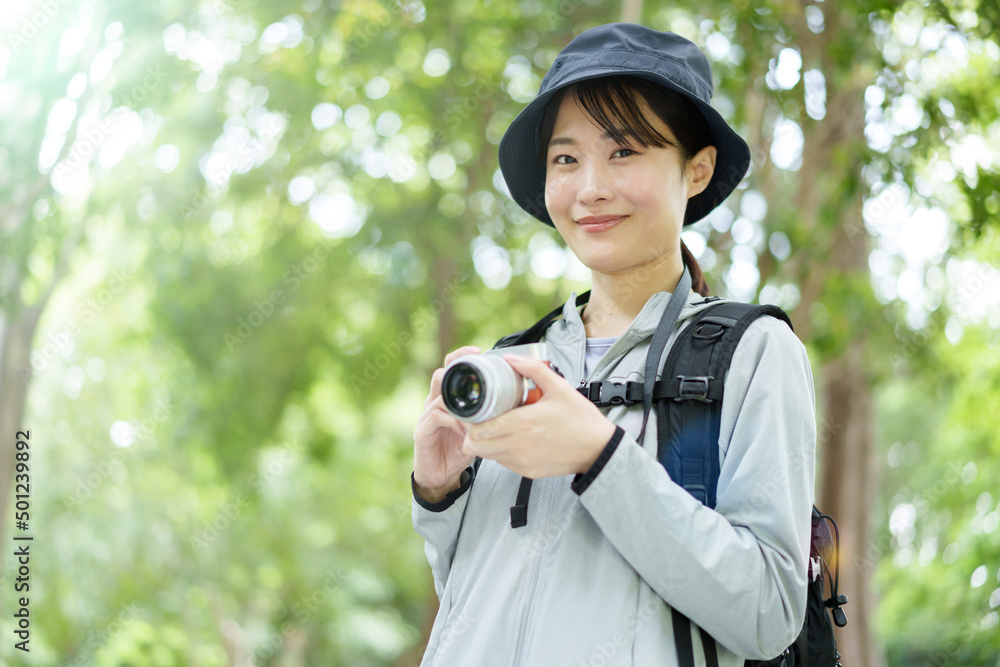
[(236, 239)]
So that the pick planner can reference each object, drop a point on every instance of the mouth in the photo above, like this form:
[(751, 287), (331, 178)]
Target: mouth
[(600, 223)]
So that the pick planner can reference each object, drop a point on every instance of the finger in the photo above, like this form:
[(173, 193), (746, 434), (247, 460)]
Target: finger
[(436, 417), (435, 391), (436, 406), (544, 377), (497, 448), (461, 352), (438, 374), (499, 427)]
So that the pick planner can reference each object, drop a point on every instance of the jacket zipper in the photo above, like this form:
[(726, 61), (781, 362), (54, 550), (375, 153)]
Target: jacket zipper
[(534, 579)]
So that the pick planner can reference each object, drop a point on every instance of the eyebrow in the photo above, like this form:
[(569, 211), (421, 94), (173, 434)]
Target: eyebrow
[(569, 141)]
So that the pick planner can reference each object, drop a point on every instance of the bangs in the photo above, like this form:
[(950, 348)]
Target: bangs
[(615, 103)]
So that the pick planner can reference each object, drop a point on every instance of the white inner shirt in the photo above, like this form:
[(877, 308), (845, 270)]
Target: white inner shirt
[(596, 347)]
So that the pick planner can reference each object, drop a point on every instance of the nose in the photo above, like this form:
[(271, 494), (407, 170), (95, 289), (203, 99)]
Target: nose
[(593, 183)]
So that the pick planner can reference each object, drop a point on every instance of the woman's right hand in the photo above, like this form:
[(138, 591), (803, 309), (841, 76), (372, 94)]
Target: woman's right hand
[(438, 461)]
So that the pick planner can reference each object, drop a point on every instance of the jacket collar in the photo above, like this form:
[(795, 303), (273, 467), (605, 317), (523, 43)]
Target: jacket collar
[(570, 327)]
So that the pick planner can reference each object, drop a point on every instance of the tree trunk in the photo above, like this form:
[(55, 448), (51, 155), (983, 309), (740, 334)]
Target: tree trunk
[(846, 461), (443, 274), (631, 11), (849, 462), (17, 330), (848, 484)]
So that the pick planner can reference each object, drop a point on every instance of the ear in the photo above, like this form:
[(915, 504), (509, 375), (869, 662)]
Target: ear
[(699, 170)]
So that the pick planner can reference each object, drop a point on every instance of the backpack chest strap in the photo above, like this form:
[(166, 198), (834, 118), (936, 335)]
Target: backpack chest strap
[(704, 388)]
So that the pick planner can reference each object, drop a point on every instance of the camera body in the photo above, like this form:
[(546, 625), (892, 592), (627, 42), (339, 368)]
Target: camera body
[(479, 387)]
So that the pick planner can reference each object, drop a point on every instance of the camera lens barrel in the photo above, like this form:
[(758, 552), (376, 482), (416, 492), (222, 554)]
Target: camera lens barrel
[(477, 388)]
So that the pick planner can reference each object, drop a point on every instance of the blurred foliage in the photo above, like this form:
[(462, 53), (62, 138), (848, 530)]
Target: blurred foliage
[(937, 550), (290, 212)]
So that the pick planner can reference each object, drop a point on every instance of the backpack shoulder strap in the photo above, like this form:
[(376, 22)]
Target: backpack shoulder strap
[(688, 419), (690, 413)]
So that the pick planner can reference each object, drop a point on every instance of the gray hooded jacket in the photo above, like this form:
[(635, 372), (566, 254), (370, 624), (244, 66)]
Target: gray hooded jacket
[(591, 578)]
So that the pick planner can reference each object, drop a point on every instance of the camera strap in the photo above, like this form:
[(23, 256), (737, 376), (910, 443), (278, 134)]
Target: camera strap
[(679, 297), (660, 337)]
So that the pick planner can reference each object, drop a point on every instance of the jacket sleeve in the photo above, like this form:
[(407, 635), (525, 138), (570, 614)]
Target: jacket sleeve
[(738, 571), (439, 524)]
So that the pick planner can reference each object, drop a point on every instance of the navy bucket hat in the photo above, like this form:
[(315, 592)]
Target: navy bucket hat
[(623, 49)]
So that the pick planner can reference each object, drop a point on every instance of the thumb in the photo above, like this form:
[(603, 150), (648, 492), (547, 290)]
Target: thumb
[(544, 377)]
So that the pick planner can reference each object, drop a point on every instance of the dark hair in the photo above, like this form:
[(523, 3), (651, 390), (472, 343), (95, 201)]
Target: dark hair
[(611, 101)]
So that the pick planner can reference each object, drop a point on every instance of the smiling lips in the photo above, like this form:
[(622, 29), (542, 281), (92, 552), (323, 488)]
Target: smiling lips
[(600, 223)]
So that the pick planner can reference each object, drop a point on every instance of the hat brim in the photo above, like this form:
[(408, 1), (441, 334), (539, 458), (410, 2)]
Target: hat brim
[(524, 174)]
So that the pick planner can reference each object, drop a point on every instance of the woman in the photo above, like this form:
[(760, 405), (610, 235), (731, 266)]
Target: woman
[(619, 150)]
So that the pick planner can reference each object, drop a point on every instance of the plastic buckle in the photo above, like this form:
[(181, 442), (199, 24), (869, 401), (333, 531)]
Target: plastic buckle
[(815, 570), (612, 393), (604, 394), (694, 388)]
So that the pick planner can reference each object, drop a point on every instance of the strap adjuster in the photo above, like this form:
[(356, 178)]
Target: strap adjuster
[(694, 388), (518, 516)]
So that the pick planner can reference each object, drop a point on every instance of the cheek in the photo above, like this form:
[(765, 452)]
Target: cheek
[(555, 191), (645, 190), (666, 195)]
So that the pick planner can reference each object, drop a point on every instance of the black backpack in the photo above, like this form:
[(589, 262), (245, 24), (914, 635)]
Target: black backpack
[(691, 392)]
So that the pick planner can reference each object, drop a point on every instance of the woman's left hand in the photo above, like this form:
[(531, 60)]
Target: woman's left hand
[(561, 434)]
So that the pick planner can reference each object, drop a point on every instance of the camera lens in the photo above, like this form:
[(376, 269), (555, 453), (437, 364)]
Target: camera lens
[(463, 389)]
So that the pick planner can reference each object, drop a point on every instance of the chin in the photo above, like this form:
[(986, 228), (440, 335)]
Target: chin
[(603, 263)]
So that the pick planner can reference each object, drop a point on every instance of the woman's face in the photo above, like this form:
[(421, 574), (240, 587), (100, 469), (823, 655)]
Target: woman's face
[(619, 207)]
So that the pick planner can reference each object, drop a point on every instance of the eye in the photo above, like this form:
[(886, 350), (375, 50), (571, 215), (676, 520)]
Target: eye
[(631, 152), (556, 159)]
